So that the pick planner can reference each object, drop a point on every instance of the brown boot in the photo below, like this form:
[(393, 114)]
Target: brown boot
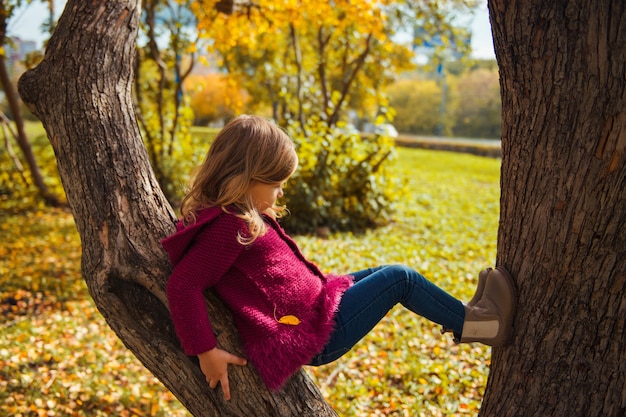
[(482, 279), (490, 320)]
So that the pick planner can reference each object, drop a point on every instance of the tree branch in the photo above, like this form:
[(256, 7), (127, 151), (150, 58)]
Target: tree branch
[(298, 60), (358, 64)]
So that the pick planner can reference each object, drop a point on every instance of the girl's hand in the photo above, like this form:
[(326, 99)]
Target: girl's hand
[(214, 366)]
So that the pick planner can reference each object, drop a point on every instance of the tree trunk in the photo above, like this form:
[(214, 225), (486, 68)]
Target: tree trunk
[(82, 94), (563, 207)]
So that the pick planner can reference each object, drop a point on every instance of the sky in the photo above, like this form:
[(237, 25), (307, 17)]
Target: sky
[(26, 24)]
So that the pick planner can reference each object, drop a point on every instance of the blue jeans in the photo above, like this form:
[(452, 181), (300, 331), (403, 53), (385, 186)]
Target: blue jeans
[(374, 293)]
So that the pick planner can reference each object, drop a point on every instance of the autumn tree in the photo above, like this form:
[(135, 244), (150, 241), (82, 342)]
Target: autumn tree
[(311, 59)]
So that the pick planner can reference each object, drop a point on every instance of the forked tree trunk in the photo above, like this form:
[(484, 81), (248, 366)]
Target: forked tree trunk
[(563, 207), (82, 93)]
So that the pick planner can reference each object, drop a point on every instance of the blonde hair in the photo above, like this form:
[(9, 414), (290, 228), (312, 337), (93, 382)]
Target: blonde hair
[(249, 149)]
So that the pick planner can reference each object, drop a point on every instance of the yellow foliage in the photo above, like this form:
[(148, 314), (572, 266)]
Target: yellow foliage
[(337, 53), (215, 97), (268, 19), (417, 104)]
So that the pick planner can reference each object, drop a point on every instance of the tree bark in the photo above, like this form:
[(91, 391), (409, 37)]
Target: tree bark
[(82, 93), (562, 227)]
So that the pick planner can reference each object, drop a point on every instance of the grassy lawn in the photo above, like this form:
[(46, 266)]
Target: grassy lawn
[(58, 357)]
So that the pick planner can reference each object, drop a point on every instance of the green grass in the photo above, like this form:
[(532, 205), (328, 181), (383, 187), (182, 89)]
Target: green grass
[(56, 352)]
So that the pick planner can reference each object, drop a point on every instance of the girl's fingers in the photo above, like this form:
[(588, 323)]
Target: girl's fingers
[(237, 360), (225, 388), (222, 378)]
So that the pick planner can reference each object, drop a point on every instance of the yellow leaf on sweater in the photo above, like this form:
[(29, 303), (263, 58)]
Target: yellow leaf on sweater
[(291, 320)]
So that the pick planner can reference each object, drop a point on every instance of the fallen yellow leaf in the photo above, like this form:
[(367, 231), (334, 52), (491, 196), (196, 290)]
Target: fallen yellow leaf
[(290, 320)]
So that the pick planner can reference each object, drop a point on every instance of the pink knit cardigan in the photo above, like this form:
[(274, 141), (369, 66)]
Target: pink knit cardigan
[(260, 283)]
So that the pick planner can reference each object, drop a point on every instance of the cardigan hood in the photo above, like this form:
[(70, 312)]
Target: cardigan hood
[(177, 244), (282, 304)]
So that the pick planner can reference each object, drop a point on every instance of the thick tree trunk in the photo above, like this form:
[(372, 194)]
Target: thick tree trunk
[(82, 93), (563, 207)]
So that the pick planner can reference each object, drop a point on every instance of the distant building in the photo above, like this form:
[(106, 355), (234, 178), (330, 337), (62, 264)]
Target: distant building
[(425, 43), (17, 49)]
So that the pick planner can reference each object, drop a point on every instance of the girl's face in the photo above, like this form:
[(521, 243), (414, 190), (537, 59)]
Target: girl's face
[(265, 195)]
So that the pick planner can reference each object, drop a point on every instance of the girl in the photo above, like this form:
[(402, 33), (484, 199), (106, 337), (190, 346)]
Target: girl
[(289, 313)]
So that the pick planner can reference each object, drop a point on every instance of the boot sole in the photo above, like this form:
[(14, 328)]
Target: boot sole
[(511, 318)]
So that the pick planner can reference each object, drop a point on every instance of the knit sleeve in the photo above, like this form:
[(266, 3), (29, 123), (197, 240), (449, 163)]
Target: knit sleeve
[(207, 259)]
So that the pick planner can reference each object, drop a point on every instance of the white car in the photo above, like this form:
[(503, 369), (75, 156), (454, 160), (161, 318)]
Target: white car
[(386, 129)]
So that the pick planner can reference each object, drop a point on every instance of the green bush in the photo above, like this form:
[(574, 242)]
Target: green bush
[(417, 103), (341, 182), (17, 190), (479, 111)]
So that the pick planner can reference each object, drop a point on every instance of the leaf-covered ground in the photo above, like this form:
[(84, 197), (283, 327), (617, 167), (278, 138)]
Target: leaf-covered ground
[(59, 358)]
